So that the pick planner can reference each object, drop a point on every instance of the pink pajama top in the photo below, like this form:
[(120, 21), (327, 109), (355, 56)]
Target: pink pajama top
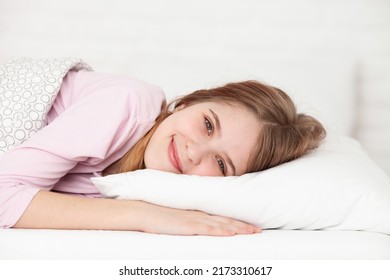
[(94, 121)]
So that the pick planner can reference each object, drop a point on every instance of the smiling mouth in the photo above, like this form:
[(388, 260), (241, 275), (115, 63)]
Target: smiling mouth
[(173, 157)]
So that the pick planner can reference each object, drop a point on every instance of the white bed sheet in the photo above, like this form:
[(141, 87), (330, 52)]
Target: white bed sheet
[(270, 244)]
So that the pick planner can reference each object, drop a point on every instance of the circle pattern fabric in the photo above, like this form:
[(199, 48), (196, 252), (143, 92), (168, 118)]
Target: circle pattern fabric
[(28, 88)]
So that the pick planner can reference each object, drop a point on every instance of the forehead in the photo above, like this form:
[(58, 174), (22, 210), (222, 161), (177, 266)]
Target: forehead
[(220, 106), (231, 112)]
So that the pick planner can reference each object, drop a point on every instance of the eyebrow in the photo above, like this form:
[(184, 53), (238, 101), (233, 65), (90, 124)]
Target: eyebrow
[(218, 125)]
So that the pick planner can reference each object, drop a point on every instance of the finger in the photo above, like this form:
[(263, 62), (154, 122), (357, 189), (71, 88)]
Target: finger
[(235, 225), (216, 230)]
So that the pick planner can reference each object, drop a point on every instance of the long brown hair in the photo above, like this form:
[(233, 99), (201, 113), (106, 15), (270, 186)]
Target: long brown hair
[(285, 134)]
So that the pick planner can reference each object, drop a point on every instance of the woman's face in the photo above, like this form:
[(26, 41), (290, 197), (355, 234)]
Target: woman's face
[(208, 139)]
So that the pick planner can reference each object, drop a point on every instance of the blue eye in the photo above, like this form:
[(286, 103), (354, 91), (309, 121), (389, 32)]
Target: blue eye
[(209, 126), (221, 165)]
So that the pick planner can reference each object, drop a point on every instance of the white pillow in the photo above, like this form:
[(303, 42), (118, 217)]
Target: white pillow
[(336, 187)]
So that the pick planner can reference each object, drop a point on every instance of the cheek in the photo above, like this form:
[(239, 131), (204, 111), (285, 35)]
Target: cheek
[(206, 168), (190, 128)]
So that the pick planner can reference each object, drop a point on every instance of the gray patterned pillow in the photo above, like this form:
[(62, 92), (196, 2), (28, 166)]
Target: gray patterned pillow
[(28, 88)]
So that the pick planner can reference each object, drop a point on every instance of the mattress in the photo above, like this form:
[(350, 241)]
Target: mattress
[(32, 244)]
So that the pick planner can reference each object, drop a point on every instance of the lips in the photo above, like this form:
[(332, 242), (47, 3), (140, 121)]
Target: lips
[(173, 156)]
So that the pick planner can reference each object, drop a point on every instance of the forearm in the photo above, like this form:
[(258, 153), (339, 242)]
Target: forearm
[(51, 210)]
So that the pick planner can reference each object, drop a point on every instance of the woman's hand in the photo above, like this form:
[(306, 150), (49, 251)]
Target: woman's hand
[(158, 219)]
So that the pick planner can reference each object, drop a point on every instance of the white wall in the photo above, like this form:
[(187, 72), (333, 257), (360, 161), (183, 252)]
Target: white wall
[(334, 53)]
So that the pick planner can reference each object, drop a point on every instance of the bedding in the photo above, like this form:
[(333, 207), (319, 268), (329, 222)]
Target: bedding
[(28, 88), (336, 187), (116, 245)]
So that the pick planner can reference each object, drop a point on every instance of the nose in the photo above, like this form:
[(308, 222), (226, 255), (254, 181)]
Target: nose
[(196, 151)]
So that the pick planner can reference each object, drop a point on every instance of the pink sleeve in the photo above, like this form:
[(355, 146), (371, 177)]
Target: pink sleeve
[(106, 113)]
